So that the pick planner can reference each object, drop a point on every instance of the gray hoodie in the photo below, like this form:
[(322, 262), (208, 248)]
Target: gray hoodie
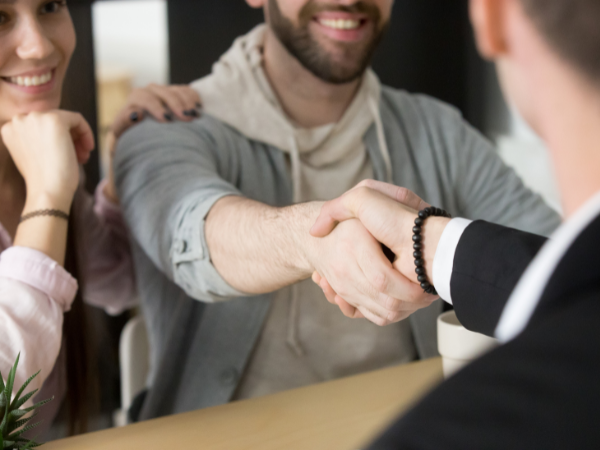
[(203, 333), (325, 162)]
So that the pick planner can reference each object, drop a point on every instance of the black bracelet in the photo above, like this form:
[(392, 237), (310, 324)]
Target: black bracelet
[(45, 212), (418, 246)]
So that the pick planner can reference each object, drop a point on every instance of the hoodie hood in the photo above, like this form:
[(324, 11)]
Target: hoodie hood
[(238, 93)]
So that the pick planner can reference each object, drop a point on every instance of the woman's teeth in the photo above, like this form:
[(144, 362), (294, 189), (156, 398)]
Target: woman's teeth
[(340, 24), (37, 80)]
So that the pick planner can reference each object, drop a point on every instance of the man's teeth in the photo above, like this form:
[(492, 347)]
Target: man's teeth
[(340, 24), (37, 80)]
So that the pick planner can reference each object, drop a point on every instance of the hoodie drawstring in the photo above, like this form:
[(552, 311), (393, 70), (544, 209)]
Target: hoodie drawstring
[(292, 332), (385, 153), (296, 173)]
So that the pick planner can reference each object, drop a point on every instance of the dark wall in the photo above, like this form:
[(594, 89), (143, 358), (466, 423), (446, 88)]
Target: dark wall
[(79, 91), (200, 31), (429, 47)]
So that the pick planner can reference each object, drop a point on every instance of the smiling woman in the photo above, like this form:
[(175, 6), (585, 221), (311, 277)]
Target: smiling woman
[(47, 221)]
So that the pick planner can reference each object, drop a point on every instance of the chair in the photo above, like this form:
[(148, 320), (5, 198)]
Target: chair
[(134, 365)]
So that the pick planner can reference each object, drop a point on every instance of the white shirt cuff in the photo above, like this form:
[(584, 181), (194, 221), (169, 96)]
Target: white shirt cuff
[(443, 261)]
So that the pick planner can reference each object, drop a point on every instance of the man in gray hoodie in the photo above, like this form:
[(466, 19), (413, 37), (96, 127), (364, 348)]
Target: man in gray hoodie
[(220, 208)]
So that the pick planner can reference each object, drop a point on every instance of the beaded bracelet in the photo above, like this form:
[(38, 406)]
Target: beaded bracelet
[(44, 212), (418, 246)]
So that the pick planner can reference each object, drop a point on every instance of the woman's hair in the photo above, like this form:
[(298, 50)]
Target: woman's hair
[(572, 27), (81, 385)]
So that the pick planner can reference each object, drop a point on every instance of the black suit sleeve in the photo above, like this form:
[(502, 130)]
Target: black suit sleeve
[(539, 391), (488, 263)]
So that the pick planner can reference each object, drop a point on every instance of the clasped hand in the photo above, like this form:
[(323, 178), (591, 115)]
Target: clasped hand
[(376, 289)]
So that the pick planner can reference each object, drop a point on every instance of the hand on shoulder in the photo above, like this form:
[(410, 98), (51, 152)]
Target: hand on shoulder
[(163, 103)]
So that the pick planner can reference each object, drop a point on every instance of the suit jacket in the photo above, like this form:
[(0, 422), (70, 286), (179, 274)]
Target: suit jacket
[(539, 391)]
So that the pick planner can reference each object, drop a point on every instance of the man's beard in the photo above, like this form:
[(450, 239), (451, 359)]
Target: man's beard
[(299, 42)]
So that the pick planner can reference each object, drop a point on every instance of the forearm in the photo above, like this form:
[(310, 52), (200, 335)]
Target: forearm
[(46, 234), (257, 248)]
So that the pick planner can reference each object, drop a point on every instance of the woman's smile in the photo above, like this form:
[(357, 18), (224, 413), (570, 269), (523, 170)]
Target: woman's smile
[(32, 82), (38, 40)]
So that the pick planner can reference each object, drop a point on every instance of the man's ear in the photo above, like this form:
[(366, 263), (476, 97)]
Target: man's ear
[(256, 3), (487, 17)]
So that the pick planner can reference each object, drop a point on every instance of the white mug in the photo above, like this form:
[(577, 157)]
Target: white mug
[(459, 346)]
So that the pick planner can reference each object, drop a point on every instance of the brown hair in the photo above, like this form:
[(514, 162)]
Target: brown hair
[(81, 386), (572, 27)]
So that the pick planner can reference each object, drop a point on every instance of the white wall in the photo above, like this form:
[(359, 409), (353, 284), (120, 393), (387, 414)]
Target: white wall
[(132, 35)]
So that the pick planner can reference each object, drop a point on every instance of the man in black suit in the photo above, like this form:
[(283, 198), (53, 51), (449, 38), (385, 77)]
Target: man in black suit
[(541, 389)]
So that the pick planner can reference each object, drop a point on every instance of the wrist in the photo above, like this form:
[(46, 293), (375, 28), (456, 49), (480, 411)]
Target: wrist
[(47, 200), (432, 232), (303, 216)]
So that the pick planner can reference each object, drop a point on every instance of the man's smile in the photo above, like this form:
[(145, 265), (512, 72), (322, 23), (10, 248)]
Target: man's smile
[(342, 26)]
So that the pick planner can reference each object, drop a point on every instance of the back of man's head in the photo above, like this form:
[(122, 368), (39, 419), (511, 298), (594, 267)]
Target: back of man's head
[(572, 27)]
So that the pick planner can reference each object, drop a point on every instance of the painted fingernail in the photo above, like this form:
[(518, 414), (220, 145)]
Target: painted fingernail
[(134, 117), (168, 116), (198, 105), (190, 113)]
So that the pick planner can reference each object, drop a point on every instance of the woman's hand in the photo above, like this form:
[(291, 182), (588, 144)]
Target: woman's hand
[(47, 148), (163, 103)]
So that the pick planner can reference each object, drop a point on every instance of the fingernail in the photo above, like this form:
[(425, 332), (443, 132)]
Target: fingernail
[(168, 116), (191, 113), (198, 105), (134, 117)]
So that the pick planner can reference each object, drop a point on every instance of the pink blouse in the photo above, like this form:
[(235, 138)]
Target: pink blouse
[(35, 292)]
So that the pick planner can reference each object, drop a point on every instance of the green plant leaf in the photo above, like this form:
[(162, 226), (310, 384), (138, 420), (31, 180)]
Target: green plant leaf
[(11, 379), (19, 423), (18, 394), (1, 441), (3, 400), (15, 436), (21, 402), (8, 444), (2, 387), (37, 405), (3, 424)]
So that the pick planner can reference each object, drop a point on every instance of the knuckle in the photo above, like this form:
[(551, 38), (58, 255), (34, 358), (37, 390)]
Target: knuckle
[(383, 322), (402, 194), (394, 304), (380, 282), (368, 183), (394, 317)]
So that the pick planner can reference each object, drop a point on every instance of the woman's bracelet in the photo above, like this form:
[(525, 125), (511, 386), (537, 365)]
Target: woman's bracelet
[(44, 212), (418, 246)]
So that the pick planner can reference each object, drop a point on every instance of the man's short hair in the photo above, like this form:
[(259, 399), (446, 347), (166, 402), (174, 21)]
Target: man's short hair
[(572, 27)]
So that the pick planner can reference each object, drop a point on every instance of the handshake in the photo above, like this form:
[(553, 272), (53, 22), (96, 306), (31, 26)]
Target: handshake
[(361, 280)]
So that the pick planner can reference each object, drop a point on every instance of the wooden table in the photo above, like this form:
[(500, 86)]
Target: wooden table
[(343, 414)]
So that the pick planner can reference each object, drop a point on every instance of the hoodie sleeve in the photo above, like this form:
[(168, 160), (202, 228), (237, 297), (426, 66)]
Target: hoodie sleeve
[(481, 185), (169, 177)]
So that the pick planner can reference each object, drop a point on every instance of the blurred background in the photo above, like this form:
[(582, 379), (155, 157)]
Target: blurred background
[(429, 49), (123, 44)]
